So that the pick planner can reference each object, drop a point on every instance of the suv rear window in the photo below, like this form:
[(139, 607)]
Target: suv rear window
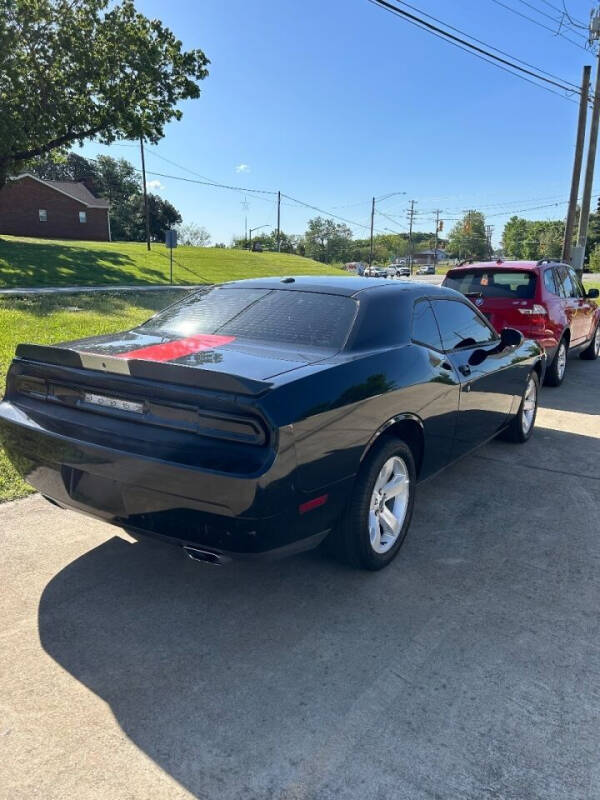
[(273, 315), (493, 283)]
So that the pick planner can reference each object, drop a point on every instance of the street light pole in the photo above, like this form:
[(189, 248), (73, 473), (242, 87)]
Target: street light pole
[(257, 228), (372, 223), (373, 201)]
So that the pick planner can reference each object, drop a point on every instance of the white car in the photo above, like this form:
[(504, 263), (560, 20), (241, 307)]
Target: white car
[(426, 269)]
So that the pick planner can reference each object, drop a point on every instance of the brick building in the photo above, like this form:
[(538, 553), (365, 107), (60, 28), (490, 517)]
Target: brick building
[(30, 206)]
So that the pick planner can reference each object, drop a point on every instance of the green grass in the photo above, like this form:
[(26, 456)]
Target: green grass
[(52, 262), (50, 319)]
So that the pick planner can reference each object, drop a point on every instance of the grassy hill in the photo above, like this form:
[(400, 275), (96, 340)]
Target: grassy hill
[(49, 262)]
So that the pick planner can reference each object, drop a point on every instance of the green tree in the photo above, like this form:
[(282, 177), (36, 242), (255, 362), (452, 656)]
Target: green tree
[(513, 237), (193, 235), (595, 259), (59, 166), (468, 239), (327, 240), (71, 70), (533, 239), (162, 216)]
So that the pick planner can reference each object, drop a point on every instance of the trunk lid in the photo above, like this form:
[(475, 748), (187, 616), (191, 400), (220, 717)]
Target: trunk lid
[(506, 313), (222, 363)]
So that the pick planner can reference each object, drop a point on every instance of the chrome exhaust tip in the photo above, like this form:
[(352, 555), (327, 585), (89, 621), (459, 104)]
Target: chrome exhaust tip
[(196, 554)]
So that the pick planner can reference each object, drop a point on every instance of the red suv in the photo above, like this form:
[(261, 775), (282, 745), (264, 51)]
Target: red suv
[(545, 300)]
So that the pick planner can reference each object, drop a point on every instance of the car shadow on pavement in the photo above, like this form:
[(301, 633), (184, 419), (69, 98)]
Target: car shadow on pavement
[(461, 670)]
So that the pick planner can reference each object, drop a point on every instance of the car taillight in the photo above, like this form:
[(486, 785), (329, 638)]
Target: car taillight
[(536, 309)]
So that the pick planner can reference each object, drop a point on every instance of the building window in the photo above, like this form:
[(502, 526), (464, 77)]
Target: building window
[(82, 216), (43, 215)]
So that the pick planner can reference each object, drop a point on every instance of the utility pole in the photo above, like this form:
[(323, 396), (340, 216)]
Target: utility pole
[(372, 223), (146, 213), (489, 229), (411, 216), (584, 216), (437, 228), (576, 177), (278, 222), (245, 207)]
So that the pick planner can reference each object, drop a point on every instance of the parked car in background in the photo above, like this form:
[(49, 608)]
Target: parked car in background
[(374, 272), (262, 416), (426, 269), (545, 300), (402, 271)]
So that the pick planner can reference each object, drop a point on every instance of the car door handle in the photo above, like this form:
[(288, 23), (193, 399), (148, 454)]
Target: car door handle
[(464, 369)]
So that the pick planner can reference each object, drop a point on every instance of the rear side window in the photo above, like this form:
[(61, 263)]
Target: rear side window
[(424, 327), (569, 289), (296, 317), (550, 281), (460, 325), (576, 283), (493, 283)]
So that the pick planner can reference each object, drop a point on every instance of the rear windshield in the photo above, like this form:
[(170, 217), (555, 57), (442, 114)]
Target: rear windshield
[(493, 283), (273, 315)]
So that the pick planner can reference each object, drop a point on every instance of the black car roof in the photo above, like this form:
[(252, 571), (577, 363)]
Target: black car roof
[(347, 286)]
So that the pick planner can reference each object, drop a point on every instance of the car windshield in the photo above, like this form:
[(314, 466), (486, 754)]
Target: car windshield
[(273, 315), (493, 283)]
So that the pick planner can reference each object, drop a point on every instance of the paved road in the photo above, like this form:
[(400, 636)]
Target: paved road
[(469, 669)]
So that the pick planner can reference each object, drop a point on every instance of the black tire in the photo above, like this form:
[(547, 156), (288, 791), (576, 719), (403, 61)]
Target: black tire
[(518, 431), (351, 541), (554, 375), (592, 351)]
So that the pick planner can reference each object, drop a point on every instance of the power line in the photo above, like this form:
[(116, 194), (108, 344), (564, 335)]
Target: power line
[(577, 23), (485, 44), (545, 14), (354, 223), (322, 211), (573, 20), (539, 24), (478, 52), (210, 183)]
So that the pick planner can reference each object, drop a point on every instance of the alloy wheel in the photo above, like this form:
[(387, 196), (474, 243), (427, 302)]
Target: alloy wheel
[(561, 360), (389, 504), (529, 405)]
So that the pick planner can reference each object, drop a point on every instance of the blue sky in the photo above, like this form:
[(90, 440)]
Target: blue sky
[(333, 101)]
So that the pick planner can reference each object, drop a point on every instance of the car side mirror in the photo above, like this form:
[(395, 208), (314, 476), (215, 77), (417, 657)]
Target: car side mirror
[(510, 337), (477, 357), (592, 294)]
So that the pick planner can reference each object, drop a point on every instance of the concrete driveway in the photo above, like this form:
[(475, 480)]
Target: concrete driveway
[(468, 669)]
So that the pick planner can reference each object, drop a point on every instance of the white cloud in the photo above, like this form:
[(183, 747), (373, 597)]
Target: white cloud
[(242, 168), (155, 184)]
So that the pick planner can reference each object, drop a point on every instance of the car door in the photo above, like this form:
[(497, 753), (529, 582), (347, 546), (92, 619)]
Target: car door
[(571, 304), (436, 397), (489, 382), (585, 310)]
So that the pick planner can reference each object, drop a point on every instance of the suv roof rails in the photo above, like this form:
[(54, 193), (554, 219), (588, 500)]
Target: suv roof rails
[(548, 261)]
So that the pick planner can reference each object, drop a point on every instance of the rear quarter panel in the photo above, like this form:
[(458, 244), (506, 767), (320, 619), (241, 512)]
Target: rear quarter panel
[(336, 412)]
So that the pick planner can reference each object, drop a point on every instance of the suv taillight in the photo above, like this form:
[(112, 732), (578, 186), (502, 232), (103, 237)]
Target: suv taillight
[(536, 310)]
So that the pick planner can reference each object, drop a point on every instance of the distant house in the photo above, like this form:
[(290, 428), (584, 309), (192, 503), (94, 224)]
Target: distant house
[(30, 206), (427, 256)]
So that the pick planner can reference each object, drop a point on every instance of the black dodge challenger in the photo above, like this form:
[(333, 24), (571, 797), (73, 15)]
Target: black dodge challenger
[(262, 416)]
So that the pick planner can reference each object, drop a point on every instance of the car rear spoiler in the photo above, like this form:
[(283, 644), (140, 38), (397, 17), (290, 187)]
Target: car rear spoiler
[(138, 368)]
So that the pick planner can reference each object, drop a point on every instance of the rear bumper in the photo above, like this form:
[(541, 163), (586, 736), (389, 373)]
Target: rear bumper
[(225, 513)]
